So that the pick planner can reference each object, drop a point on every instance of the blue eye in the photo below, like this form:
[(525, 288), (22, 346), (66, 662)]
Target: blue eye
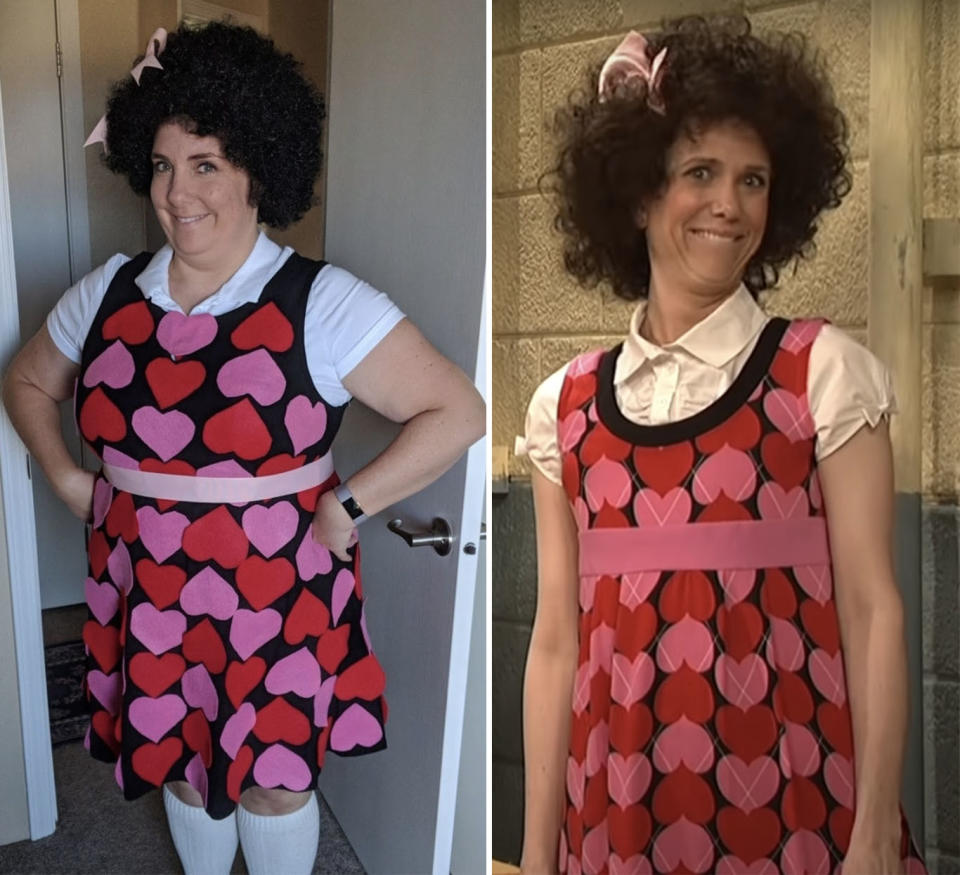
[(160, 167), (206, 167)]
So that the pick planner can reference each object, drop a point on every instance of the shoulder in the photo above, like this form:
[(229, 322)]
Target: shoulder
[(835, 355)]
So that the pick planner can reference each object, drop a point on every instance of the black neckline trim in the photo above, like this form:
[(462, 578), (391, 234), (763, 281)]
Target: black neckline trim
[(756, 368)]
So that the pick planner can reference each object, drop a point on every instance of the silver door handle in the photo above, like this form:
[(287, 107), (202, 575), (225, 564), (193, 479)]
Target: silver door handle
[(439, 537)]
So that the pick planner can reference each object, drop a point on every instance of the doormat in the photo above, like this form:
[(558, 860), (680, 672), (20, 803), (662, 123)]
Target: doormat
[(69, 711)]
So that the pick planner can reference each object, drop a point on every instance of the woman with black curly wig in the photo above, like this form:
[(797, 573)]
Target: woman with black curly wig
[(713, 495), (227, 645)]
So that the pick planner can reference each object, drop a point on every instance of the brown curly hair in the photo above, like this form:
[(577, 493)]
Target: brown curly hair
[(612, 155)]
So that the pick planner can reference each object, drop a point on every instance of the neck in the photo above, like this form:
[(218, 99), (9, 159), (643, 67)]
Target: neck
[(671, 313), (192, 279)]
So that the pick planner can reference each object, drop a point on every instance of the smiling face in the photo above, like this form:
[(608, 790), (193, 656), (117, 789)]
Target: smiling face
[(202, 200), (709, 221)]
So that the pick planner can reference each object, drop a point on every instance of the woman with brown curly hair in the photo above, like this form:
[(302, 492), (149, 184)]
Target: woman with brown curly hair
[(713, 496)]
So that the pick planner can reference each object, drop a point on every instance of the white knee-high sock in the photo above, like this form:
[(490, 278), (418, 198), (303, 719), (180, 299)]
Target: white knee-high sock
[(205, 846), (282, 844)]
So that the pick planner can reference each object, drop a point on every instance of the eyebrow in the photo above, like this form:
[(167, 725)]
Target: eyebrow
[(703, 159), (190, 158)]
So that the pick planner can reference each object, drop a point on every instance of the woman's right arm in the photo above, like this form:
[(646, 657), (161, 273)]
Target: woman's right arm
[(548, 683), (37, 380)]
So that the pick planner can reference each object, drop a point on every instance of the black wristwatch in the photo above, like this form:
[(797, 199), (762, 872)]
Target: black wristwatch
[(345, 497)]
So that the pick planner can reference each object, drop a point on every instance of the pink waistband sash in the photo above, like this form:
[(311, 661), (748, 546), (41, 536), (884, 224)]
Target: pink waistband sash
[(707, 546), (219, 490)]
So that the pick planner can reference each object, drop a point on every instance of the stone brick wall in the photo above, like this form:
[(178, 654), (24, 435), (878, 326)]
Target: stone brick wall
[(541, 319)]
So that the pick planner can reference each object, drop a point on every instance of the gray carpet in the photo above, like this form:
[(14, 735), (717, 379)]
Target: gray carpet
[(99, 832)]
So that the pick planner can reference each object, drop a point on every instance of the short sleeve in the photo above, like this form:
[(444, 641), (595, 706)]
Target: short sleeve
[(539, 442), (345, 319), (847, 387), (68, 323)]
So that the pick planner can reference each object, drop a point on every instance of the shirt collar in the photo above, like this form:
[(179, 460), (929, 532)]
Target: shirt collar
[(244, 286), (714, 340)]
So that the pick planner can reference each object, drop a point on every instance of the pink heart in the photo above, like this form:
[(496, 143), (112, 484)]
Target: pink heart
[(305, 422), (607, 482), (321, 702), (237, 728), (278, 766), (686, 641), (587, 591), (576, 782), (683, 742), (634, 588), (208, 593), (102, 599), (119, 567), (815, 580), (158, 631), (165, 433), (628, 778), (196, 776), (838, 773), (596, 849), (731, 865), (255, 374), (816, 498), (573, 866), (586, 363), (790, 414), (571, 429), (161, 533), (118, 773), (630, 681), (355, 726), (598, 745), (182, 335), (581, 514), (363, 628), (742, 683), (799, 751), (727, 470), (683, 842), (154, 718), (784, 645), (748, 786), (826, 672), (652, 509), (601, 649), (638, 864), (119, 460), (804, 853), (776, 503), (106, 687), (343, 586), (199, 691), (224, 468), (250, 630), (298, 673), (114, 367), (581, 688), (270, 528), (312, 558), (102, 496), (800, 334), (737, 584)]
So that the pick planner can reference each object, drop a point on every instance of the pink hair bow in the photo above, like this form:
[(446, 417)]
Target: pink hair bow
[(629, 61), (155, 45)]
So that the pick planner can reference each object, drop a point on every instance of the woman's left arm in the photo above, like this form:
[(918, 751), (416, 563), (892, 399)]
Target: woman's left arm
[(857, 485), (406, 380)]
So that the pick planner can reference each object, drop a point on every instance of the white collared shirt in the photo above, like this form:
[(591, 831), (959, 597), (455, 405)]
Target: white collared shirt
[(345, 317), (847, 386)]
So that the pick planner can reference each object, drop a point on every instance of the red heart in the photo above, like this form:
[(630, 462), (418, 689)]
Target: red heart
[(740, 627), (684, 693), (216, 536), (239, 430), (600, 694), (663, 468), (788, 462), (630, 728), (683, 793), (203, 644), (687, 592), (574, 831), (834, 722), (724, 510), (332, 648), (636, 629), (280, 721), (174, 466), (362, 680), (802, 805), (749, 836), (841, 825), (105, 725), (308, 616), (98, 552), (267, 327), (777, 597), (606, 603), (570, 475), (155, 674), (104, 643), (122, 518), (741, 431), (322, 739), (242, 677), (162, 583), (172, 381), (791, 698), (196, 733), (749, 733), (153, 762), (279, 464), (601, 442), (820, 621), (237, 771), (610, 518), (580, 726), (630, 829), (595, 799), (263, 581), (133, 324), (100, 417), (790, 370)]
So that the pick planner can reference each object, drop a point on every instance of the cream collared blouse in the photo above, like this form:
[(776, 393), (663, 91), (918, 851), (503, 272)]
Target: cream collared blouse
[(847, 386)]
